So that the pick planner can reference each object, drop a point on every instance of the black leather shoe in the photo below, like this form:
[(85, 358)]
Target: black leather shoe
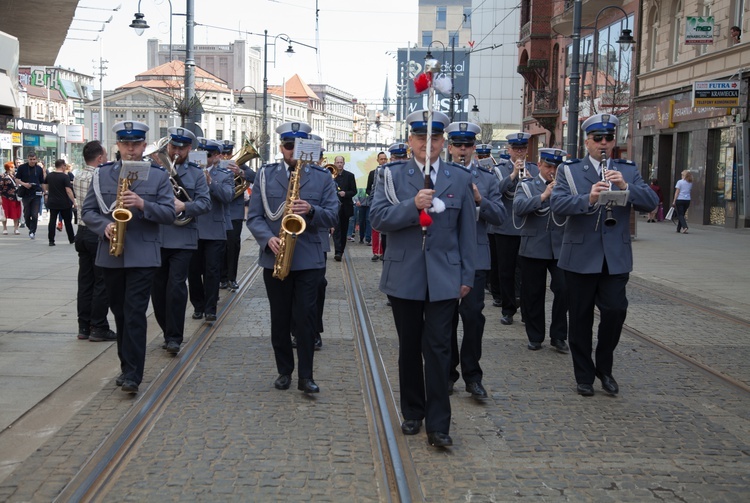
[(560, 345), (497, 303), (129, 386), (173, 347), (411, 426), (375, 258), (534, 346), (294, 342), (210, 317), (233, 285), (197, 315), (283, 381), (507, 319), (308, 386), (98, 335), (585, 390), (438, 439), (119, 379), (337, 257), (318, 344), (476, 389), (223, 285), (609, 384), (450, 387)]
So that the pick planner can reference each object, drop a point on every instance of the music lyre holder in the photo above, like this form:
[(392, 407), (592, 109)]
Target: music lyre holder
[(612, 198)]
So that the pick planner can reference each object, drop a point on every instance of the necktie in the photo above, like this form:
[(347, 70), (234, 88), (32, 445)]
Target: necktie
[(433, 174)]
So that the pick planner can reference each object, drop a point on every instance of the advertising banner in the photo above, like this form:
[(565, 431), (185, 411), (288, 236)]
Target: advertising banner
[(719, 94), (699, 30)]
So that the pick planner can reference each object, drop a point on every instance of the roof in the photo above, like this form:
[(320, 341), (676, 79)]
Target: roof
[(40, 26)]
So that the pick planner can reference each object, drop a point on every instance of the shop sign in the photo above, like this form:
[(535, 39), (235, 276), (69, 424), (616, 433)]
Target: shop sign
[(17, 138), (699, 30), (6, 141), (30, 140), (74, 133), (720, 94), (31, 126)]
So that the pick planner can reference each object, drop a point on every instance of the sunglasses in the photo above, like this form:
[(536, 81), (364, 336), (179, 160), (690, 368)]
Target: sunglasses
[(599, 137), (466, 144), (288, 145)]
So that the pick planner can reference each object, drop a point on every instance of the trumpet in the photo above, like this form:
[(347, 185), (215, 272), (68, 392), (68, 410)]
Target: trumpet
[(245, 154), (609, 219), (523, 173), (159, 151), (331, 168)]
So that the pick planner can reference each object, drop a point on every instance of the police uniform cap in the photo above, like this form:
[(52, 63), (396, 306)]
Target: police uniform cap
[(518, 139), (130, 131), (484, 148), (294, 130), (398, 149), (418, 122), (227, 146), (181, 137), (600, 123), (552, 155), (462, 131), (209, 145)]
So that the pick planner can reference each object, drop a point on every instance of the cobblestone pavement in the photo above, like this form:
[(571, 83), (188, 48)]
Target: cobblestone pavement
[(673, 434)]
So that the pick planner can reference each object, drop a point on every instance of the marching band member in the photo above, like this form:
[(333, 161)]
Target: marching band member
[(169, 293), (541, 239), (596, 254), (507, 236), (293, 299), (490, 210), (426, 270), (128, 277), (203, 277), (228, 275), (484, 151)]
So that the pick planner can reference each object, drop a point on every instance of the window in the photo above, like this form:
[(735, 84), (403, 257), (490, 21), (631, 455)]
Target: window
[(739, 10), (703, 48), (426, 38), (453, 39), (162, 132), (467, 17), (676, 31), (442, 13), (219, 135)]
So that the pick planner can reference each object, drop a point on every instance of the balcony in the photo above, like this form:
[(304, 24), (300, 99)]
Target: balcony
[(562, 22)]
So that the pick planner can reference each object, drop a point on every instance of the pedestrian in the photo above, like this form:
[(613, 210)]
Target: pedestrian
[(370, 190), (654, 215), (346, 189), (30, 177), (129, 271), (426, 269), (596, 253), (681, 201), (60, 200), (293, 298), (10, 203)]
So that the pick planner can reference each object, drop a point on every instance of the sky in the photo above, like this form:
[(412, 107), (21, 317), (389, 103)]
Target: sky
[(354, 37)]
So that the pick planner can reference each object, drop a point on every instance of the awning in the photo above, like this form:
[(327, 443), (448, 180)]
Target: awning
[(9, 94)]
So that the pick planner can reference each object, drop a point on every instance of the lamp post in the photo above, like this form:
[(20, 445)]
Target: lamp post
[(139, 24), (265, 149), (474, 109), (241, 101), (575, 76)]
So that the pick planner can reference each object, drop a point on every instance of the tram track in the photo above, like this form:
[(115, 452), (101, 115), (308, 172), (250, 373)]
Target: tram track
[(94, 479)]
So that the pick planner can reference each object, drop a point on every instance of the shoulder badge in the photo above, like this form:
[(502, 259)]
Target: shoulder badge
[(624, 161), (572, 161)]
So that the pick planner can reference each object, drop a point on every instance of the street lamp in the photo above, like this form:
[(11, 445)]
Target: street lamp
[(241, 101), (475, 108), (139, 24), (626, 38)]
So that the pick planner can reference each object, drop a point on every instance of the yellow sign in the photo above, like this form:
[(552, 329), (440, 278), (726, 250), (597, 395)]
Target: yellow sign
[(16, 138)]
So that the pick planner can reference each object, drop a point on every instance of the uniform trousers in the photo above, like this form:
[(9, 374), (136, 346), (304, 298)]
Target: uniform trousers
[(32, 206), (92, 302), (128, 290), (293, 304), (506, 248), (493, 279), (424, 331), (470, 310), (169, 293), (203, 277), (232, 254), (320, 301), (607, 292), (533, 294)]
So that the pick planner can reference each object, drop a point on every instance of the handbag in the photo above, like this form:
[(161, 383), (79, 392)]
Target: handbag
[(660, 213), (670, 214)]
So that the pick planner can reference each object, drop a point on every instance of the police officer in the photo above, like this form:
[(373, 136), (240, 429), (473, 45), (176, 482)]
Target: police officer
[(508, 235), (169, 293), (426, 269), (490, 209), (128, 277), (293, 299), (541, 240), (596, 255), (203, 277), (228, 276)]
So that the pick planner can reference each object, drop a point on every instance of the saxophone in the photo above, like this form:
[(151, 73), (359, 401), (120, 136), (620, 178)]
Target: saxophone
[(292, 225), (122, 216)]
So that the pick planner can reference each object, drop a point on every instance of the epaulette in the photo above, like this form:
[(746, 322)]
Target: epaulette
[(624, 161), (193, 165), (222, 170), (456, 165), (572, 161), (110, 163), (156, 166), (318, 168), (394, 163), (270, 165), (532, 163)]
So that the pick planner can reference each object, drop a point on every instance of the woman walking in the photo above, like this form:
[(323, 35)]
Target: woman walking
[(681, 201), (11, 203)]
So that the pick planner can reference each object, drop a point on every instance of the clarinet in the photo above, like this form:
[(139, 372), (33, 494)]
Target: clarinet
[(609, 219)]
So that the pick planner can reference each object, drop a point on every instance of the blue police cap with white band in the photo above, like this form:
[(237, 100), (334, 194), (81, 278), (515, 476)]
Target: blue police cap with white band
[(130, 131), (518, 139), (600, 123), (418, 122), (227, 146), (484, 149), (209, 145), (462, 131), (289, 130), (398, 149), (181, 137), (552, 155)]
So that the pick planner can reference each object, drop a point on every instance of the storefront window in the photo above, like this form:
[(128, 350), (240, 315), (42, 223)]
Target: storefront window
[(724, 155)]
